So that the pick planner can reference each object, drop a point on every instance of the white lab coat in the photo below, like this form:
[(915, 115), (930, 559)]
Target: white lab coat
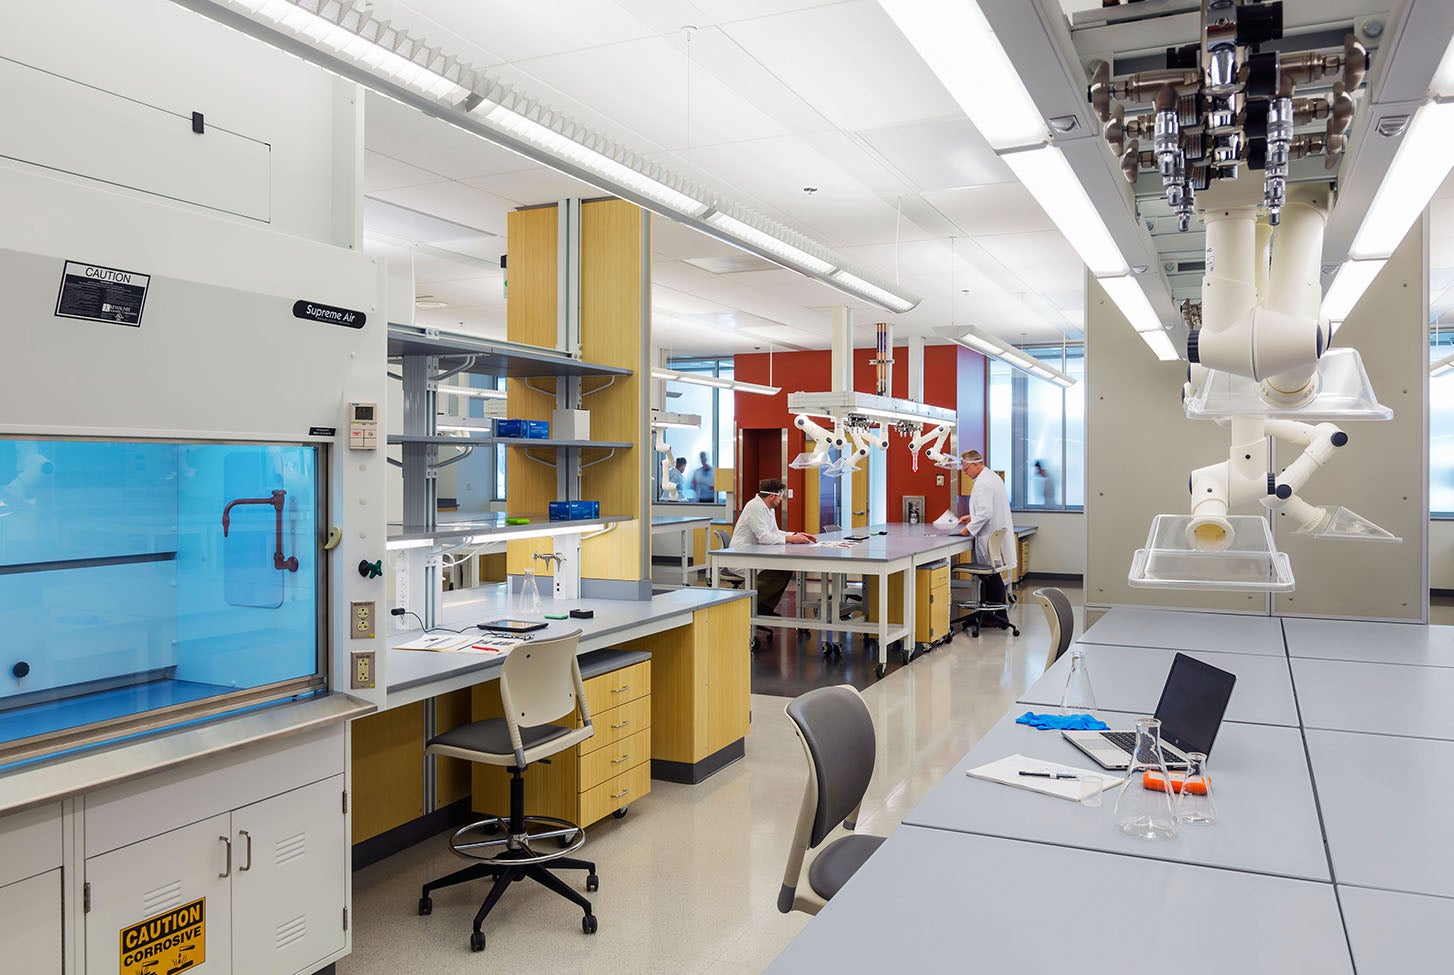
[(989, 511), (757, 525)]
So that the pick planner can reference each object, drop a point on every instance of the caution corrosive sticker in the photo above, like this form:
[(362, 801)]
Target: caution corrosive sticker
[(169, 943)]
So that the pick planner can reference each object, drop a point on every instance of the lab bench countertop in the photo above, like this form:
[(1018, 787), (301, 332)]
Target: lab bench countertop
[(885, 543), (414, 675)]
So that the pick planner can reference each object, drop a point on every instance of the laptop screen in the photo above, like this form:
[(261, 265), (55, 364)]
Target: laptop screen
[(1192, 703)]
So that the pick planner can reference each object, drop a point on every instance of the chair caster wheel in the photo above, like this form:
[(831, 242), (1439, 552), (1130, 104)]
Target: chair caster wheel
[(880, 670), (588, 924), (620, 813), (477, 941), (754, 645), (593, 883), (426, 907), (564, 841), (1015, 630)]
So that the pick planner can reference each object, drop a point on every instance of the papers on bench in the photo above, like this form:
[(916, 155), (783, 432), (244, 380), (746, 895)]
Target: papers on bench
[(1007, 771), (459, 643)]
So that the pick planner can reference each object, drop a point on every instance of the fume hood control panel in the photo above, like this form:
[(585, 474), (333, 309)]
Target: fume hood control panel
[(363, 426)]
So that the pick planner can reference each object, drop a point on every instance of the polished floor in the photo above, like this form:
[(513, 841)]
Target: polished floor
[(689, 879)]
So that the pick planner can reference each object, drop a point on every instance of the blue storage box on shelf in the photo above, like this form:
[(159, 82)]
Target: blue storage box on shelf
[(510, 428), (536, 429), (574, 510)]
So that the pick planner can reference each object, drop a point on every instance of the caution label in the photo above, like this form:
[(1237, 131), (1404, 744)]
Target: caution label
[(94, 293), (169, 943)]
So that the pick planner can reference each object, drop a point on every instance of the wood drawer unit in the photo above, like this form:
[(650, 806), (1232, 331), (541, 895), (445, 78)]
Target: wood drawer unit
[(602, 774), (931, 596)]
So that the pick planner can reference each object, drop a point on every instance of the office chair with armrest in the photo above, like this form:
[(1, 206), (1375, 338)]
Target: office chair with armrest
[(1061, 619), (539, 683), (976, 571), (836, 730)]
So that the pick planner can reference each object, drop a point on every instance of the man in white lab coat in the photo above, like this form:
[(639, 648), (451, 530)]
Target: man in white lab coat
[(989, 511), (757, 525)]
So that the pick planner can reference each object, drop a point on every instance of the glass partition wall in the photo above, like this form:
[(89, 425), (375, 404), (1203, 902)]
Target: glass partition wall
[(147, 583)]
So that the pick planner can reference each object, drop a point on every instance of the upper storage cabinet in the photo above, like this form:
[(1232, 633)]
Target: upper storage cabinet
[(147, 583)]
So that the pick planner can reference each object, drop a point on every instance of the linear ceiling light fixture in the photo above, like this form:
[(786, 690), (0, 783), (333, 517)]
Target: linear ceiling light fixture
[(700, 379), (999, 349), (1126, 294), (1054, 185), (1442, 366), (1352, 279), (343, 37)]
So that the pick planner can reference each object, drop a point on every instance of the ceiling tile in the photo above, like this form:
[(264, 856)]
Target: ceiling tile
[(677, 241), (456, 202), (939, 155), (410, 224), (513, 31), (528, 187), (1044, 261), (981, 211), (383, 172), (727, 11), (850, 62)]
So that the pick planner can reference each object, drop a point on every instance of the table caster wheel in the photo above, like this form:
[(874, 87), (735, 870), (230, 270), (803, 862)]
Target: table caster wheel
[(588, 924), (426, 907), (477, 941), (593, 883), (620, 813), (880, 670), (754, 645)]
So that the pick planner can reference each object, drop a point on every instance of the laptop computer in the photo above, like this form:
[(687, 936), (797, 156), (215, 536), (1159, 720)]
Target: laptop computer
[(1192, 703)]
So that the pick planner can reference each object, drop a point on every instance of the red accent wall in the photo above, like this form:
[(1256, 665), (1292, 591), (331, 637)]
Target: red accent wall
[(954, 378)]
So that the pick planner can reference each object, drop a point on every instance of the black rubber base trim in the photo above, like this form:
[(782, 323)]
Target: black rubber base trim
[(688, 773), (400, 838)]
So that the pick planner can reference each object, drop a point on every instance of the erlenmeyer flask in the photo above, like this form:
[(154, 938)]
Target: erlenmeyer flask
[(1194, 803), (1078, 695), (528, 600), (1148, 814)]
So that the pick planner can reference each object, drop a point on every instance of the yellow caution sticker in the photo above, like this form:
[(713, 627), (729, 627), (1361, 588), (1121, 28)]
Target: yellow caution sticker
[(171, 942)]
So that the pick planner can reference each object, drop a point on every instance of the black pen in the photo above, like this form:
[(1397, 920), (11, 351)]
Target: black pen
[(1051, 775)]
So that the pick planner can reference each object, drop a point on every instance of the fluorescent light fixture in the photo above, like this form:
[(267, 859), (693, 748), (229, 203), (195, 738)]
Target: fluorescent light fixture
[(1442, 366), (1050, 180), (859, 288), (399, 544), (1419, 167), (366, 40), (1126, 292), (799, 259), (1352, 279), (958, 44), (1161, 345), (471, 391), (1011, 356), (671, 375), (685, 421)]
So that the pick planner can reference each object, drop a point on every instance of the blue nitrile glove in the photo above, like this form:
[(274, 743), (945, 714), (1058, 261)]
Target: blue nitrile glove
[(1062, 722)]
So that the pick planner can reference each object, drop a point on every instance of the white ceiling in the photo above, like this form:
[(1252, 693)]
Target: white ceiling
[(759, 99)]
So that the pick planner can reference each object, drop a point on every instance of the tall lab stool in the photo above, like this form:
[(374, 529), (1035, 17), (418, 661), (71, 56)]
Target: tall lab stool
[(540, 683)]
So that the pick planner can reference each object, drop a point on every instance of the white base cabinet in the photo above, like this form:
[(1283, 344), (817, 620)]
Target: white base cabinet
[(30, 925)]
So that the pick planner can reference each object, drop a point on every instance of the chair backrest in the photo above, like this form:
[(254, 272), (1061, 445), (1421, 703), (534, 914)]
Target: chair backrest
[(1061, 619), (541, 681), (724, 540), (997, 547), (831, 528), (837, 733)]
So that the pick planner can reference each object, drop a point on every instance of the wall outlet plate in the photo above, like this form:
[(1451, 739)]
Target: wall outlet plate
[(361, 672), (361, 620)]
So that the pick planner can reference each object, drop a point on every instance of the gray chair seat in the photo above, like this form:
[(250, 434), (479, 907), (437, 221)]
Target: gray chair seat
[(831, 869), (492, 737)]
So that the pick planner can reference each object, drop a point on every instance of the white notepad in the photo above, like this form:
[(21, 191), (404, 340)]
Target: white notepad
[(442, 641), (1007, 770)]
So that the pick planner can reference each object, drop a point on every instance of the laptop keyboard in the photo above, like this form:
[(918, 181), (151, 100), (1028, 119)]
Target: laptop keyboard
[(1126, 741)]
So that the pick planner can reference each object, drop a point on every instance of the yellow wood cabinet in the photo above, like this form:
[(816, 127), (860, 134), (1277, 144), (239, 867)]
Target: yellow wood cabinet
[(603, 774), (896, 598), (931, 597)]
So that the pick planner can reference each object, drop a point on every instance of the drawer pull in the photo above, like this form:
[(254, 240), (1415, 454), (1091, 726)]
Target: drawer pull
[(621, 690), (227, 872), (621, 725), (618, 761), (623, 792)]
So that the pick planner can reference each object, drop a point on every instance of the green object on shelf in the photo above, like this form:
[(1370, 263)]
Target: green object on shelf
[(517, 521), (556, 616)]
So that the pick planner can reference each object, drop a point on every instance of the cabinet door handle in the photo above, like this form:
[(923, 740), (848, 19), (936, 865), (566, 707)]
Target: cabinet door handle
[(621, 725), (618, 761), (621, 690), (247, 836), (623, 792), (228, 871)]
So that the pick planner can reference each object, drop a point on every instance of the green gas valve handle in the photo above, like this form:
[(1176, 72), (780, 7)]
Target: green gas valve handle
[(371, 570)]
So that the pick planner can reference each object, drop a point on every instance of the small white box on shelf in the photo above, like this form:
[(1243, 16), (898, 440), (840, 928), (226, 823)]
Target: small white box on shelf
[(570, 424)]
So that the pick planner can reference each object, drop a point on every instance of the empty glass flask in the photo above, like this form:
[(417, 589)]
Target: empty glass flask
[(1148, 814), (528, 599), (1078, 695), (1194, 802)]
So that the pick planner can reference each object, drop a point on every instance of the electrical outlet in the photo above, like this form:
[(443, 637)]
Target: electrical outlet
[(938, 480), (361, 620), (363, 670)]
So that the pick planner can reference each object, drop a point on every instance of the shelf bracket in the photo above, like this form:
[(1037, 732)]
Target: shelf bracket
[(466, 366), (610, 381), (542, 463), (465, 452), (600, 460)]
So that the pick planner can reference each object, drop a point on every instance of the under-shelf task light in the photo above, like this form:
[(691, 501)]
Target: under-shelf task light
[(472, 391), (685, 421), (700, 379)]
